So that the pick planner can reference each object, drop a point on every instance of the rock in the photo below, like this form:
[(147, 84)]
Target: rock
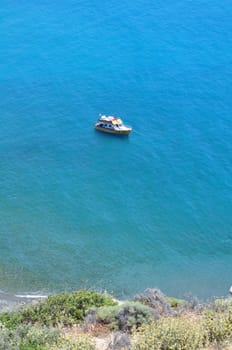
[(119, 341), (156, 300), (90, 317)]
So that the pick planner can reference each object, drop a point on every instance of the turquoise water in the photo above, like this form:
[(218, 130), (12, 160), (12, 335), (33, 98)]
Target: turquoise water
[(84, 209)]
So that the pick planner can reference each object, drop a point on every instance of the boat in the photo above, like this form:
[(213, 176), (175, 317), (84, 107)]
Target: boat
[(112, 125)]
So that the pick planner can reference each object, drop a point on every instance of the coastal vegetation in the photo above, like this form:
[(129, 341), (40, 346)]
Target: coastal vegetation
[(124, 317), (65, 309), (151, 321)]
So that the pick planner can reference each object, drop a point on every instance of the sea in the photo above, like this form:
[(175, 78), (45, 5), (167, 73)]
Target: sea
[(84, 209)]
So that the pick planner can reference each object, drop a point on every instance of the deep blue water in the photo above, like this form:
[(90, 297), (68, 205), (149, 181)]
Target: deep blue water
[(79, 208)]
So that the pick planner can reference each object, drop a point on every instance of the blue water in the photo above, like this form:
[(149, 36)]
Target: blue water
[(79, 208)]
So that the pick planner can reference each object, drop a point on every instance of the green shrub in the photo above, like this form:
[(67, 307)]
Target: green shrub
[(81, 343), (27, 337), (7, 341), (218, 325), (11, 319), (170, 334), (221, 304), (125, 316), (37, 337), (65, 309), (175, 303), (32, 348)]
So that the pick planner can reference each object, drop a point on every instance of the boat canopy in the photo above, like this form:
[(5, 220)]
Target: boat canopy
[(117, 121), (110, 119)]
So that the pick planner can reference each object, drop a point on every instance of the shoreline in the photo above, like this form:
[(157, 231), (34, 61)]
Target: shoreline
[(9, 301), (149, 317)]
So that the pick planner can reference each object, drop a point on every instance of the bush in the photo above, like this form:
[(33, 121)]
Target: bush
[(175, 303), (81, 343), (170, 334), (27, 337), (156, 300), (6, 341), (37, 337), (40, 338), (65, 309), (11, 319), (218, 325), (124, 317)]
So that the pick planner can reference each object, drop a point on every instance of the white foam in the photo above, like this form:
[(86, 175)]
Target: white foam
[(31, 296)]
